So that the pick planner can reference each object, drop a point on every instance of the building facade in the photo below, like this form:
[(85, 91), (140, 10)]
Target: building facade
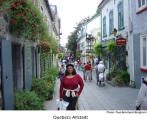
[(20, 58), (138, 33), (85, 46), (115, 16)]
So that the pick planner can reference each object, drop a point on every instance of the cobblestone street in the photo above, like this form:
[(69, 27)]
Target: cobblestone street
[(94, 97)]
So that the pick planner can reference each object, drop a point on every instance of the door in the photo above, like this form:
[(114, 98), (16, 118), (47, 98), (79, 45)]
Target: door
[(27, 67), (7, 78)]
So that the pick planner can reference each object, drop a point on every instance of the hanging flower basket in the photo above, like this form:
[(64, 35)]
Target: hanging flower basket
[(44, 46), (24, 19)]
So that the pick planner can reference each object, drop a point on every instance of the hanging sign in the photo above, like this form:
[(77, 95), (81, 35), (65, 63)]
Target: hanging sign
[(121, 41)]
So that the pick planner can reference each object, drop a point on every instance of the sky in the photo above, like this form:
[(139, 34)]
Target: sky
[(72, 12)]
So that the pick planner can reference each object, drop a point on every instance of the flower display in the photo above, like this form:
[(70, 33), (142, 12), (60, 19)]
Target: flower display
[(25, 20)]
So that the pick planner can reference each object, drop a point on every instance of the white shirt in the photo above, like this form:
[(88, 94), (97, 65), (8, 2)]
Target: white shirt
[(76, 62), (142, 97), (101, 67)]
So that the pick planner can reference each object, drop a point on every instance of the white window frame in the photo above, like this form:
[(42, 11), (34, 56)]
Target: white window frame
[(141, 51), (142, 7)]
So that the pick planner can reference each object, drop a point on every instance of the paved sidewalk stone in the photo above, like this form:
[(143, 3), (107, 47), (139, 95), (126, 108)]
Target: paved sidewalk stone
[(95, 97)]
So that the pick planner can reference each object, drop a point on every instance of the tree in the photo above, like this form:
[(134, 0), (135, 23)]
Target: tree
[(98, 49), (72, 39), (72, 42)]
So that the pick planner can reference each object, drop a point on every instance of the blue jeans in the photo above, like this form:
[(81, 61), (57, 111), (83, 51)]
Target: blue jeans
[(61, 76)]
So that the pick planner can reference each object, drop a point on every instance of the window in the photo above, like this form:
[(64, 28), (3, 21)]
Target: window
[(111, 24), (141, 4), (104, 27), (120, 16), (143, 47)]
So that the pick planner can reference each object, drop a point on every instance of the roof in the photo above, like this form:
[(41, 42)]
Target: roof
[(102, 4)]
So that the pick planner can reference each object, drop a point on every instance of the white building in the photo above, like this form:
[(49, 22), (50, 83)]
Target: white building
[(91, 27), (115, 15)]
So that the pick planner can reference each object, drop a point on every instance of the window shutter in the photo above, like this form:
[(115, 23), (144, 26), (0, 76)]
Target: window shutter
[(120, 16)]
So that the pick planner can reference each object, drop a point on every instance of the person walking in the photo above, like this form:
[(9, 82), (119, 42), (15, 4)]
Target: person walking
[(101, 70), (96, 70), (87, 71), (69, 90), (90, 70), (61, 71), (141, 102), (83, 70), (80, 63), (76, 64)]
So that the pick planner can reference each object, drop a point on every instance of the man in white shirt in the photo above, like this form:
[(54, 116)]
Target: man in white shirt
[(101, 70)]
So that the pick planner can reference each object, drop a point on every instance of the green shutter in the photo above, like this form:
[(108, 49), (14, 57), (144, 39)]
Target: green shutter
[(111, 25), (104, 26), (120, 16)]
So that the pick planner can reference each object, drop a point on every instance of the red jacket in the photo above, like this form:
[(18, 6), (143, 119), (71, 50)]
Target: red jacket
[(71, 83), (87, 67)]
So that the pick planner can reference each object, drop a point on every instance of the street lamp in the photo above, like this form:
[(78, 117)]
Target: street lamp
[(115, 31)]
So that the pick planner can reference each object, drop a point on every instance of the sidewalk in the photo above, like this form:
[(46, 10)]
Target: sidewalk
[(51, 105), (94, 97)]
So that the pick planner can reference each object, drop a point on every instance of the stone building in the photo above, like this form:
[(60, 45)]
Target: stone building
[(20, 59)]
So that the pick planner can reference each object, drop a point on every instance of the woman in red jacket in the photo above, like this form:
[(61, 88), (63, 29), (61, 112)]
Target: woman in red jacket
[(69, 90)]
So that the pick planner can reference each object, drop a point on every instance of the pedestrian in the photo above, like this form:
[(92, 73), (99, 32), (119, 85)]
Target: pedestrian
[(141, 102), (95, 60), (83, 70), (97, 74), (76, 64), (69, 90), (87, 71), (80, 63), (90, 71), (61, 71), (101, 70)]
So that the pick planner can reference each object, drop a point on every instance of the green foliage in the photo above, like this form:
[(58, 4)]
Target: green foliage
[(112, 73), (111, 47), (50, 74), (98, 49), (121, 79), (25, 20), (50, 78), (60, 55), (72, 39), (125, 76), (72, 42), (78, 54), (27, 100), (41, 88)]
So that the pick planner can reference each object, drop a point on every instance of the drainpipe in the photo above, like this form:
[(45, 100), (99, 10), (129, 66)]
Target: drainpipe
[(130, 32)]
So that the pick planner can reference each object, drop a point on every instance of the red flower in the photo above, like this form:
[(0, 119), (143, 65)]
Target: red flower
[(13, 5), (22, 13), (9, 10), (16, 32), (14, 21), (18, 15), (1, 4)]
